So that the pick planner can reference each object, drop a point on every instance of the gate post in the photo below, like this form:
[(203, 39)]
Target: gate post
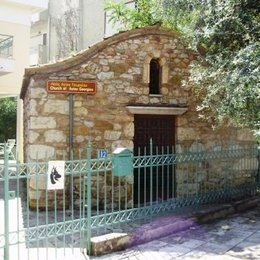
[(89, 198), (151, 172), (6, 203)]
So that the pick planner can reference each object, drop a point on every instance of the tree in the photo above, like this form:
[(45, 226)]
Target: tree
[(175, 14), (225, 77), (128, 18), (7, 118)]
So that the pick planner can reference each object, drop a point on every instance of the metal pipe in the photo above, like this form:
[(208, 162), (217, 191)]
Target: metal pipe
[(6, 203), (71, 121), (49, 33), (81, 24), (89, 198)]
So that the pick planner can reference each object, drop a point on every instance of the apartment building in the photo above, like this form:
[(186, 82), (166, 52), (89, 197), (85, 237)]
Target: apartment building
[(69, 26), (15, 22)]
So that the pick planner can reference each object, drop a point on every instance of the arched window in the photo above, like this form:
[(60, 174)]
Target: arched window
[(155, 76)]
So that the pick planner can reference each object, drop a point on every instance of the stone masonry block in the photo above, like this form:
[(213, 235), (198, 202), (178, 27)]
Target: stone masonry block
[(108, 243)]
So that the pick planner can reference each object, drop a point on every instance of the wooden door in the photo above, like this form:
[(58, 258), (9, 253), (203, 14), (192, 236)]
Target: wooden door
[(161, 129)]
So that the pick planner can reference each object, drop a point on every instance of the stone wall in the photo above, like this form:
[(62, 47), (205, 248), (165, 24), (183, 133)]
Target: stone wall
[(118, 69), (119, 65), (215, 175)]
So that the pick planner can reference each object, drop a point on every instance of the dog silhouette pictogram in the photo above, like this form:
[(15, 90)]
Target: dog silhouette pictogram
[(54, 176)]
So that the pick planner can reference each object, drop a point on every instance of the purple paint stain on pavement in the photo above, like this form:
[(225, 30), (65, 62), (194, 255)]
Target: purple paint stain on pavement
[(159, 228)]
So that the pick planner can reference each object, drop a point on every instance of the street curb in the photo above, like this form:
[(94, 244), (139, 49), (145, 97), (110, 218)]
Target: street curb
[(222, 211), (165, 226)]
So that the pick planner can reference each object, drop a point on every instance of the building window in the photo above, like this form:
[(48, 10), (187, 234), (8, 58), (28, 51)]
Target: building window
[(155, 76), (44, 39), (6, 46)]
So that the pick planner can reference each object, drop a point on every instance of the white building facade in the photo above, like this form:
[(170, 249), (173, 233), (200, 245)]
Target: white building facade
[(83, 22), (15, 22)]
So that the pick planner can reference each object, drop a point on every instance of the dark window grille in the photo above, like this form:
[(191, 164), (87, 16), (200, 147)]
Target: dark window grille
[(155, 76)]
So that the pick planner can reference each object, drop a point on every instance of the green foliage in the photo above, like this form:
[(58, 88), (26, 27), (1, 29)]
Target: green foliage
[(7, 118), (179, 15), (226, 34), (230, 87), (129, 18), (227, 77), (176, 14)]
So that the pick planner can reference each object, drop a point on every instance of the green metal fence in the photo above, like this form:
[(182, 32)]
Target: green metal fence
[(164, 182), (38, 223)]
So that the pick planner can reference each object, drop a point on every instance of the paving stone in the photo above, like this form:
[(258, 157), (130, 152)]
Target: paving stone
[(152, 255), (192, 243), (245, 251), (255, 237), (175, 249), (155, 245), (197, 254), (216, 248)]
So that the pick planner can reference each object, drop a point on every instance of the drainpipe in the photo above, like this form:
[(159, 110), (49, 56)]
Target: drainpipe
[(71, 120), (81, 24), (49, 33)]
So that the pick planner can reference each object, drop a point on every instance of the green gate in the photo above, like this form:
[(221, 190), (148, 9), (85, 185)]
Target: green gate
[(37, 223)]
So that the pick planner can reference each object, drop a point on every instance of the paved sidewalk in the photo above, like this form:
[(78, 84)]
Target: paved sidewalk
[(236, 237)]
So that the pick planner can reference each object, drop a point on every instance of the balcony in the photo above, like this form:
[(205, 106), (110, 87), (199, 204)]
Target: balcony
[(7, 63)]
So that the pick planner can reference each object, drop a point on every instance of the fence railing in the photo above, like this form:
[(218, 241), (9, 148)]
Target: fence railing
[(95, 200)]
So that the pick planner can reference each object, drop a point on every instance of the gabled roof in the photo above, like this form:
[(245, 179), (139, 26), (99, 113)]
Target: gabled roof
[(84, 55)]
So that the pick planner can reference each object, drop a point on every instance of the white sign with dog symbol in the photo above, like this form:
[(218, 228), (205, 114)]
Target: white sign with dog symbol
[(56, 171)]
